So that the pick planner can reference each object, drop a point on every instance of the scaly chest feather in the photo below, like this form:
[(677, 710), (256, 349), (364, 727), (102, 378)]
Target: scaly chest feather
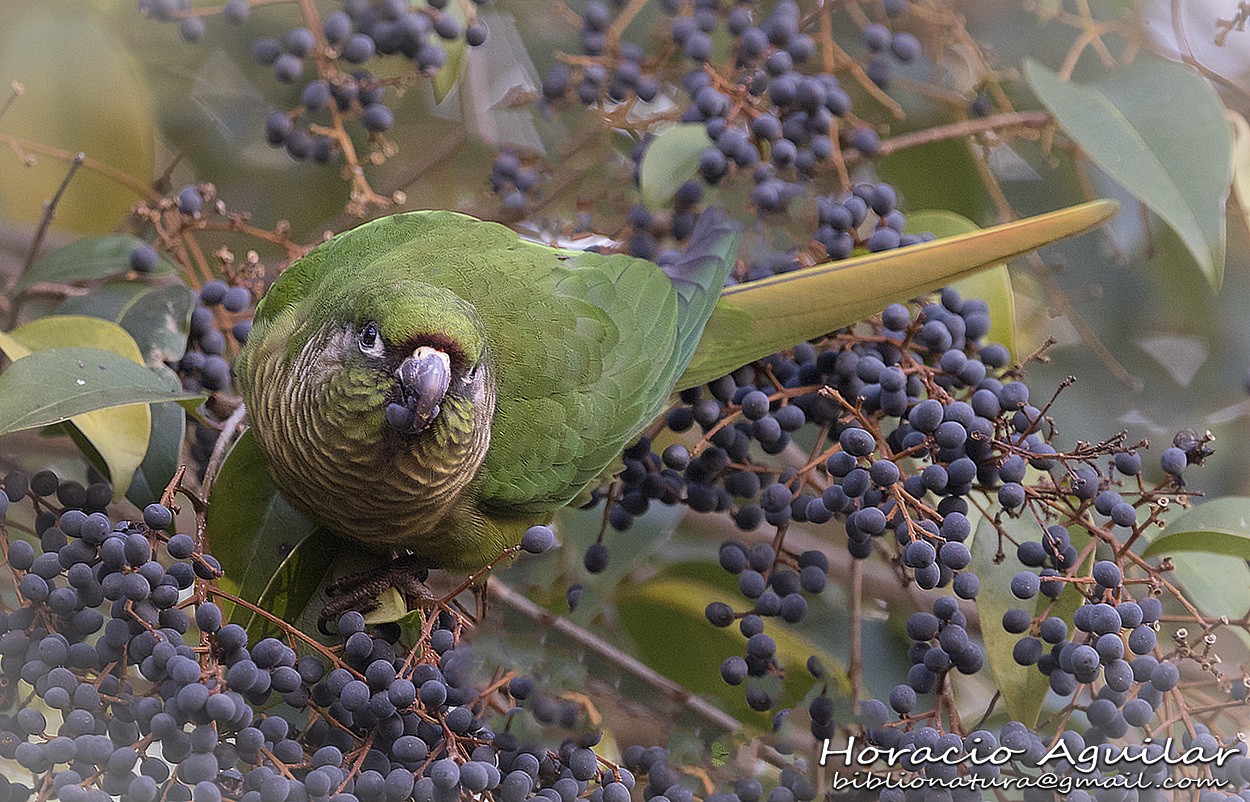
[(323, 430)]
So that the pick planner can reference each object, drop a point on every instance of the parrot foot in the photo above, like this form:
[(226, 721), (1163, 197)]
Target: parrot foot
[(360, 591)]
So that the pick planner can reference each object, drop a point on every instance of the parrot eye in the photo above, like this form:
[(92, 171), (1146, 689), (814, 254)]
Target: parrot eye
[(369, 342)]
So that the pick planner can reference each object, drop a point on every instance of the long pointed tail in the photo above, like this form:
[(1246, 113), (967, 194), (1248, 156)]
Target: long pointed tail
[(760, 318)]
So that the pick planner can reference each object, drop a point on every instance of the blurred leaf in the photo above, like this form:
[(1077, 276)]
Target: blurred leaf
[(1221, 526), (1216, 583), (410, 626), (670, 160), (1181, 172), (158, 317), (87, 259), (937, 175), (450, 72), (391, 607), (679, 602), (268, 549), (1049, 9), (169, 425), (61, 383), (119, 435), (1022, 688), (1229, 595), (84, 92), (758, 318), (992, 285), (1241, 163)]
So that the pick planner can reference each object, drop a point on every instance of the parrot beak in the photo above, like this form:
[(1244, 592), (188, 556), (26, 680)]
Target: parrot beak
[(423, 380)]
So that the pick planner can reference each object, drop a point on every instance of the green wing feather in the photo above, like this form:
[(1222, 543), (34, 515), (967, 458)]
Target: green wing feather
[(559, 430), (759, 318)]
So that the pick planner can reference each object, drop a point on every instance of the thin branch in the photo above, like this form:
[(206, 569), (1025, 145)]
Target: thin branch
[(49, 210), (963, 128), (226, 437), (16, 90), (612, 654), (95, 165)]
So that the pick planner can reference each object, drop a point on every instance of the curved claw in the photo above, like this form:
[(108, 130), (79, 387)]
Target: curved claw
[(360, 591)]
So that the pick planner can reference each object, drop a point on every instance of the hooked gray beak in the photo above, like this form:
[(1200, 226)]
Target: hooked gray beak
[(423, 380)]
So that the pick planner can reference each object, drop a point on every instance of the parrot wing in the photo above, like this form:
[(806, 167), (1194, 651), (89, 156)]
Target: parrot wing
[(556, 429)]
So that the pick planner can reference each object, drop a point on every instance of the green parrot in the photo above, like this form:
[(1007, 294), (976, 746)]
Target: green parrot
[(432, 383)]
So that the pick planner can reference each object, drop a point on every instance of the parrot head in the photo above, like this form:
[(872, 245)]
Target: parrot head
[(373, 399), (414, 351)]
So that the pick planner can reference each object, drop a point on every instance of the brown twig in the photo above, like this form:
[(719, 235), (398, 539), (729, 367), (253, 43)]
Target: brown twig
[(626, 663)]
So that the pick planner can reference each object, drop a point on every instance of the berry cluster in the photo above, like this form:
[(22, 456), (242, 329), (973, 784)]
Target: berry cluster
[(515, 185), (920, 426), (332, 59), (773, 112), (107, 696), (204, 364)]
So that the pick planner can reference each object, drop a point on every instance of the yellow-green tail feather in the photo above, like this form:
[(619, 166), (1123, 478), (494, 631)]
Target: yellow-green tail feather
[(759, 318)]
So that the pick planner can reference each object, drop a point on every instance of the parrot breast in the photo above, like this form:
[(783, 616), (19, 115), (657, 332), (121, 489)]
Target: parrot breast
[(321, 424)]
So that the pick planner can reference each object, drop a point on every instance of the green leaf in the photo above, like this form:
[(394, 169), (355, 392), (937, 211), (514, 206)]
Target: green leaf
[(270, 552), (1241, 164), (119, 435), (87, 259), (1194, 570), (670, 160), (1181, 172), (679, 602), (1227, 596), (160, 462), (992, 285), (158, 317), (60, 383), (456, 49), (936, 175), (391, 607), (1022, 688), (1221, 526)]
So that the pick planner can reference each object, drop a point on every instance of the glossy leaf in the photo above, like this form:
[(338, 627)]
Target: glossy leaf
[(297, 582), (160, 462), (158, 317), (87, 259), (758, 318), (119, 435), (992, 285), (670, 160), (1022, 688), (1180, 171), (57, 384), (1221, 526), (258, 536)]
